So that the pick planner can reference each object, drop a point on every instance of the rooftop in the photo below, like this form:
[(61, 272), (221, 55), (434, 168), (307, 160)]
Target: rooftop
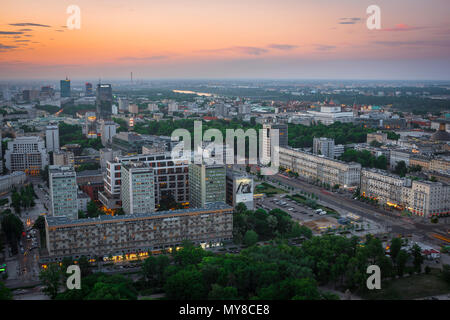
[(61, 221)]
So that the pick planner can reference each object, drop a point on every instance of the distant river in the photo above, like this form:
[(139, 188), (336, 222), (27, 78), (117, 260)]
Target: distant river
[(193, 92)]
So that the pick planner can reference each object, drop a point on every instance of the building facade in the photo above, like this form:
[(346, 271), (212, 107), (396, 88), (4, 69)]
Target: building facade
[(137, 188), (147, 232), (267, 145), (318, 168), (206, 184), (26, 154), (52, 138), (63, 191), (324, 146), (239, 189), (171, 178)]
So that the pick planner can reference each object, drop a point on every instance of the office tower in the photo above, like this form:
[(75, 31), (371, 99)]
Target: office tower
[(108, 131), (324, 146), (47, 92), (206, 184), (90, 125), (26, 154), (104, 101), (267, 144), (63, 191), (52, 138), (88, 86), (138, 188), (65, 88), (123, 104), (239, 189)]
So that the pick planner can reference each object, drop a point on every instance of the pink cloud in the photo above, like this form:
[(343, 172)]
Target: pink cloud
[(402, 27)]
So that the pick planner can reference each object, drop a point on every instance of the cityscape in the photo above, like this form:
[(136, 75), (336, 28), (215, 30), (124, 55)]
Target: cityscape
[(177, 169)]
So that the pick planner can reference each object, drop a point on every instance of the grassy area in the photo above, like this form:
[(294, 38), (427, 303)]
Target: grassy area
[(412, 287), (268, 189)]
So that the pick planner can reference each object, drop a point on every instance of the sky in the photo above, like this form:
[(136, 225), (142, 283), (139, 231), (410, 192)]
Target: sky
[(285, 39)]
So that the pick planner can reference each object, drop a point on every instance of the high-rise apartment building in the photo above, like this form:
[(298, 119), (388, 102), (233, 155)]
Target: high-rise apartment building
[(171, 178), (206, 184), (324, 146), (267, 144), (104, 101), (138, 188), (52, 138), (65, 88), (26, 154), (63, 191)]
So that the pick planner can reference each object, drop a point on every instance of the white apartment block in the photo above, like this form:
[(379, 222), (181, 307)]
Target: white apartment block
[(63, 191), (26, 154), (324, 146), (319, 168), (426, 198), (108, 131), (137, 189), (382, 185)]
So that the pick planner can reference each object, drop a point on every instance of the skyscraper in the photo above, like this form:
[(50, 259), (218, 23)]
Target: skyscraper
[(63, 191), (138, 188), (88, 89), (104, 101), (65, 88), (91, 125), (206, 184), (52, 138)]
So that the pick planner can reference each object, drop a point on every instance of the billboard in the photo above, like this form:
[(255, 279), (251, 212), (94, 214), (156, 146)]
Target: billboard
[(243, 190)]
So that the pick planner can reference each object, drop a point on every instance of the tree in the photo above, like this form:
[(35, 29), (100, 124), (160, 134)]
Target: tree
[(250, 238), (5, 293), (416, 252), (402, 258), (396, 245), (51, 278), (186, 284), (446, 273), (223, 293), (92, 210), (401, 168)]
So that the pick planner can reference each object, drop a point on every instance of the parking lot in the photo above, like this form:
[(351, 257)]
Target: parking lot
[(315, 220)]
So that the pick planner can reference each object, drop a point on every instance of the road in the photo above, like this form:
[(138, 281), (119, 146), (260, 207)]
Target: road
[(419, 229)]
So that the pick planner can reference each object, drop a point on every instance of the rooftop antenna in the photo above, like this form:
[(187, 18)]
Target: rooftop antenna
[(131, 77)]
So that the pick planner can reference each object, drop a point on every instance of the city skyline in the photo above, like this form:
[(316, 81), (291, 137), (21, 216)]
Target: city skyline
[(223, 40)]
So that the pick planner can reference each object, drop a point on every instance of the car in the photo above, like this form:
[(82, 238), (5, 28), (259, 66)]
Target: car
[(290, 209)]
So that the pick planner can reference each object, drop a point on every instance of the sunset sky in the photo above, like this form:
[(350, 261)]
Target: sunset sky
[(225, 39)]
